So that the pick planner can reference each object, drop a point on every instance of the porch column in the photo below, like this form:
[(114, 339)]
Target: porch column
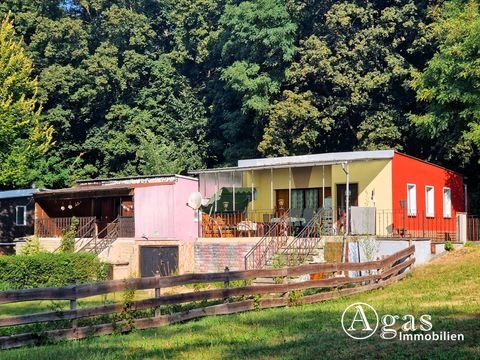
[(347, 201), (216, 191), (253, 202), (233, 190), (323, 187), (289, 187), (271, 189)]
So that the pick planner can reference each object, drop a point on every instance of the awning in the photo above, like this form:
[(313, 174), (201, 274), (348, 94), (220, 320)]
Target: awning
[(225, 200)]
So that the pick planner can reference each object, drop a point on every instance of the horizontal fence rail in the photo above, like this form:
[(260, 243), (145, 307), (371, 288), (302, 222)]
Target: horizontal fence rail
[(377, 274)]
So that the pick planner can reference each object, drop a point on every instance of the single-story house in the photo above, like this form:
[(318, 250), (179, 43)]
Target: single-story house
[(16, 217), (382, 193), (140, 224)]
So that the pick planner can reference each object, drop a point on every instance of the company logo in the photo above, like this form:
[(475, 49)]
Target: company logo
[(360, 321)]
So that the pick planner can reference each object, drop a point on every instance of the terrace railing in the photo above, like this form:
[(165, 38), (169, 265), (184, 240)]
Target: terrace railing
[(56, 227), (252, 223), (261, 255), (399, 224), (473, 228), (126, 227)]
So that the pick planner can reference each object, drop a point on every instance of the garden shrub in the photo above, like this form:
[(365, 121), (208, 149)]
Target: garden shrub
[(32, 247), (67, 244), (47, 269), (448, 246)]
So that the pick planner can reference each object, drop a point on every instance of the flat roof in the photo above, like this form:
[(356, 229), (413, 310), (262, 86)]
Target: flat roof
[(86, 191), (121, 186), (11, 194), (141, 179), (302, 160)]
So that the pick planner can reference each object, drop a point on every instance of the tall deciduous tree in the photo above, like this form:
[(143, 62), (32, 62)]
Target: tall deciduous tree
[(450, 86), (256, 44), (353, 67), (23, 140)]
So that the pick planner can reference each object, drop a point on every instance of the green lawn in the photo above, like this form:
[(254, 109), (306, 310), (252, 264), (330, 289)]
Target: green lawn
[(448, 289)]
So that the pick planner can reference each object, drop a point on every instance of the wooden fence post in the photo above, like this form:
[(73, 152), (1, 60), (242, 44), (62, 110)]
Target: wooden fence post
[(73, 303), (226, 283), (158, 312)]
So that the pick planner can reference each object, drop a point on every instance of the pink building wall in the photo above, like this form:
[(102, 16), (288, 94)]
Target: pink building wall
[(185, 226), (161, 211)]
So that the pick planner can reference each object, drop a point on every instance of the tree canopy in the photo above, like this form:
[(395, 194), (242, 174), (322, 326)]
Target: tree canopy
[(23, 139), (141, 87)]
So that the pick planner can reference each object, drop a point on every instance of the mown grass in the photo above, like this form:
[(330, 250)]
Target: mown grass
[(448, 289)]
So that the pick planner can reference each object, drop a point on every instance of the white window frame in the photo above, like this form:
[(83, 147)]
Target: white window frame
[(17, 208), (411, 210), (427, 213), (447, 212)]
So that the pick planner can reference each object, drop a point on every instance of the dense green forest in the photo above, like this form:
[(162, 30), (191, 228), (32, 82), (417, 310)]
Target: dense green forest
[(126, 87)]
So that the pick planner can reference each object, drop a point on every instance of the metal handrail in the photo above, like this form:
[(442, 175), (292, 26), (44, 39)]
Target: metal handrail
[(111, 236), (303, 244), (268, 244), (98, 236)]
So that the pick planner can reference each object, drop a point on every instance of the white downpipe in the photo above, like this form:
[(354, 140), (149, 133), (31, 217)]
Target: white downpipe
[(271, 188)]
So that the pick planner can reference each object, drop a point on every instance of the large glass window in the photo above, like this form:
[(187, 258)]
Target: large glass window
[(297, 199), (412, 199), (303, 198), (311, 198)]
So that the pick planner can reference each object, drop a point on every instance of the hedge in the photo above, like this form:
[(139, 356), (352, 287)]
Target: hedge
[(47, 269)]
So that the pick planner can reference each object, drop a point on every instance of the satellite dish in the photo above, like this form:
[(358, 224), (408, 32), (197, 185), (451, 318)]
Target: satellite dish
[(195, 200)]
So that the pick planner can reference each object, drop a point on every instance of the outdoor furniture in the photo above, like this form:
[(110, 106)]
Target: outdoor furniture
[(290, 219), (247, 226), (308, 214)]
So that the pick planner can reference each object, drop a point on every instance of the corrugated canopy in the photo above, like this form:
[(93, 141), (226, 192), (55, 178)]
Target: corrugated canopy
[(86, 192), (12, 194)]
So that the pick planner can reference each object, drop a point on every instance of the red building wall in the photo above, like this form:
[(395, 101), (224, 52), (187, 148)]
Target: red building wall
[(409, 170)]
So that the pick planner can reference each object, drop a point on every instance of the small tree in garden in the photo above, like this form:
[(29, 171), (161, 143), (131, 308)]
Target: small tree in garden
[(68, 239), (32, 247)]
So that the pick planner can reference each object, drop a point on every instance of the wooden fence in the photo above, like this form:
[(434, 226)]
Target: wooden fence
[(372, 275)]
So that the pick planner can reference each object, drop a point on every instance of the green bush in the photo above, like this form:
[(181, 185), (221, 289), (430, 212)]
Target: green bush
[(47, 269), (448, 246)]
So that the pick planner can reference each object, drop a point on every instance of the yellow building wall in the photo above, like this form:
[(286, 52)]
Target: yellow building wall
[(302, 177), (374, 177), (371, 176)]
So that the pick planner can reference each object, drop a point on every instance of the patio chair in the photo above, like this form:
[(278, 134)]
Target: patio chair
[(297, 214), (267, 222), (308, 214)]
